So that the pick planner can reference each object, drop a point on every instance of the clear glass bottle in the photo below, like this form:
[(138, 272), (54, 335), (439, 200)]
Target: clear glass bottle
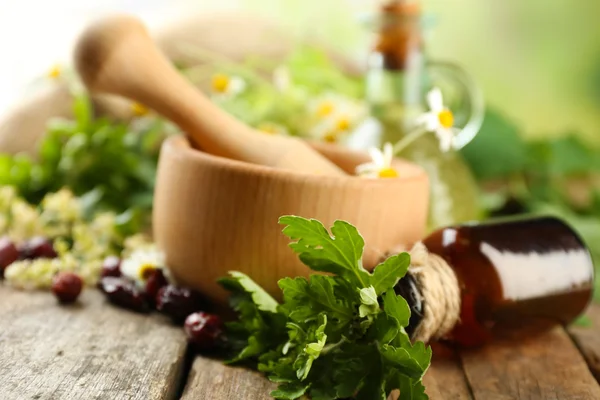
[(517, 277), (397, 83)]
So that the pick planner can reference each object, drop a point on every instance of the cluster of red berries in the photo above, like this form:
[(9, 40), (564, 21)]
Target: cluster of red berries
[(66, 286), (37, 247), (181, 304)]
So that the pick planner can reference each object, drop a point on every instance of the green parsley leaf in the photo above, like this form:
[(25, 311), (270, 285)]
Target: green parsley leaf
[(289, 391), (261, 298), (396, 307), (387, 274), (340, 254), (333, 336)]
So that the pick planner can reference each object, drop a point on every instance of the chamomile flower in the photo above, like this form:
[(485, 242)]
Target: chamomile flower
[(142, 262), (334, 117), (381, 164), (223, 85), (138, 109), (55, 72), (439, 119)]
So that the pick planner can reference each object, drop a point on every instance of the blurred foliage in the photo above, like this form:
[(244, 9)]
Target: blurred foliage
[(111, 164), (559, 177)]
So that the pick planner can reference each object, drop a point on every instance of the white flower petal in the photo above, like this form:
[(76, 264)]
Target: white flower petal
[(446, 137), (236, 85), (429, 121), (377, 157), (388, 154), (435, 100), (366, 168)]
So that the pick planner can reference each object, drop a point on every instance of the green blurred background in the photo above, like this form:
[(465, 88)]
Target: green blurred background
[(537, 61)]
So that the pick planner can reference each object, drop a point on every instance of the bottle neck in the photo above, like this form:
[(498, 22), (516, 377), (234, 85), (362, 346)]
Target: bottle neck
[(396, 63)]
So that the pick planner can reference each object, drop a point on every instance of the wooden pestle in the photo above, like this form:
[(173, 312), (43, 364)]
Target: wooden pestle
[(117, 56)]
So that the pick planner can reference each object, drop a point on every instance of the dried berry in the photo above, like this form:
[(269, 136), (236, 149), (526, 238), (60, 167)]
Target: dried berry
[(203, 330), (178, 302), (67, 286), (38, 247), (156, 280), (111, 266), (124, 293), (8, 254)]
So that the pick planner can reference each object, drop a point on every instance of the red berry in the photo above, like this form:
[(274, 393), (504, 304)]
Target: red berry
[(111, 267), (203, 330), (67, 286), (178, 302), (8, 254), (38, 247), (156, 280), (124, 293)]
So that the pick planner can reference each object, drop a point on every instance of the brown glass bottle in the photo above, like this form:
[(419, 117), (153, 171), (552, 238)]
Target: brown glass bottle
[(517, 277)]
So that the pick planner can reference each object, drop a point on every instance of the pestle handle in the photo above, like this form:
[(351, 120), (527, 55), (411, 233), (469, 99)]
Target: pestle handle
[(117, 56)]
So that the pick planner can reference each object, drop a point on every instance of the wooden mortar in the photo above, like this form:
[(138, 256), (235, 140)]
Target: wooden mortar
[(213, 215)]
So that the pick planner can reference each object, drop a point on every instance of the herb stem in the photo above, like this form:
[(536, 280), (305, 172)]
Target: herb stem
[(408, 140), (331, 347)]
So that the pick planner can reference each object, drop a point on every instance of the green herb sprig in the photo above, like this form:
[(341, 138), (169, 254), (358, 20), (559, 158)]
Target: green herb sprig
[(336, 336)]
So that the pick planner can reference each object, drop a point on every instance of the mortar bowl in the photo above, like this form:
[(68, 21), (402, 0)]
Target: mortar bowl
[(213, 215)]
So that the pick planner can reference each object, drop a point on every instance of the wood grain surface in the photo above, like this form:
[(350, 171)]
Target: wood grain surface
[(545, 367), (90, 350), (587, 338), (212, 380)]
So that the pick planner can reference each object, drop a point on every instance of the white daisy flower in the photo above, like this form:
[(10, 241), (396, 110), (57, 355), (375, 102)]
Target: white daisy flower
[(142, 262), (439, 120), (334, 116), (223, 85), (381, 164)]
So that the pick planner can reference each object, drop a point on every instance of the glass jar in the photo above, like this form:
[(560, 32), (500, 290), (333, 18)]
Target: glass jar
[(398, 79)]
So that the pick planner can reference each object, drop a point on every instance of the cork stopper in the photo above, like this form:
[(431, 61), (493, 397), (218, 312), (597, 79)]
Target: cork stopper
[(398, 32)]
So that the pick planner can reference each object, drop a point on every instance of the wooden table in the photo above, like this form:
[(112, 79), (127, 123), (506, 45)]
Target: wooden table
[(93, 350)]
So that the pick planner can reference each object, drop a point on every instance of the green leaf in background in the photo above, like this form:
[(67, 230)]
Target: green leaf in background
[(498, 150)]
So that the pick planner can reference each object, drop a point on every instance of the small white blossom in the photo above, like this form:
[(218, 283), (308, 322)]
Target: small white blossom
[(335, 116), (439, 120), (226, 86), (381, 164), (142, 262)]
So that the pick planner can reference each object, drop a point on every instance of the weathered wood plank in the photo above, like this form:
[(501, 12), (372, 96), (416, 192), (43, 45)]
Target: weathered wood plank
[(212, 380), (446, 380), (90, 350), (588, 340), (545, 367)]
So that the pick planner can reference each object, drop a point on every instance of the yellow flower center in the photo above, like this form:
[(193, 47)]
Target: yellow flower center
[(325, 108), (220, 83), (139, 109), (55, 72), (342, 124), (388, 173), (330, 137), (446, 118), (146, 271)]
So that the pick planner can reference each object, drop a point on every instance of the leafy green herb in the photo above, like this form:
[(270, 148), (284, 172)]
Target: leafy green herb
[(333, 336), (115, 161)]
